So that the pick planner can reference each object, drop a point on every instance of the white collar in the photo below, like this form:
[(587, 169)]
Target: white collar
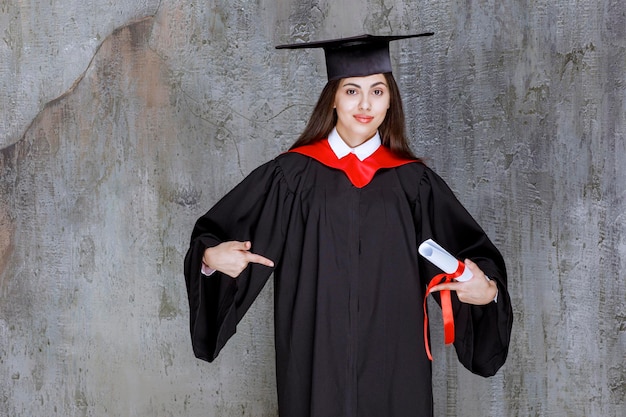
[(363, 151)]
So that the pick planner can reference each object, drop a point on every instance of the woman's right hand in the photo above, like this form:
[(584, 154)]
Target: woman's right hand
[(232, 257)]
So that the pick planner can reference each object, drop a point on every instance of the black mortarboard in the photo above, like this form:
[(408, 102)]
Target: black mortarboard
[(357, 56)]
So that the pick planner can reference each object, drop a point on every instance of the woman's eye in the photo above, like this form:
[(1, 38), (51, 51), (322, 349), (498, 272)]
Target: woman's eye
[(350, 91), (378, 92)]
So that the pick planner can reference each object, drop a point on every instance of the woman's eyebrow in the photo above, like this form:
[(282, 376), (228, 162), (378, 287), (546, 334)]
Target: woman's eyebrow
[(358, 86)]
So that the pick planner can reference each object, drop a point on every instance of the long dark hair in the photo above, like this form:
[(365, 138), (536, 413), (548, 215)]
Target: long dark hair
[(324, 118)]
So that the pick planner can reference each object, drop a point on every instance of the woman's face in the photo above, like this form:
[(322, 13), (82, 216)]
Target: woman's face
[(361, 104)]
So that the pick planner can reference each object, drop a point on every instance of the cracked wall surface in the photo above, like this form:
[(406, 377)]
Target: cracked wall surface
[(121, 124), (45, 46)]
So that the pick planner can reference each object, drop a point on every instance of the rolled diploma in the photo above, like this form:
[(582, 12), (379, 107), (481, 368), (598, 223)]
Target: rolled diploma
[(439, 257)]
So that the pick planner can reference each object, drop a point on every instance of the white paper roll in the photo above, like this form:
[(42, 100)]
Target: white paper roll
[(439, 257)]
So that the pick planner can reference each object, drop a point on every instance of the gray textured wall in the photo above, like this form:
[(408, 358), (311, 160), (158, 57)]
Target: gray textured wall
[(122, 123)]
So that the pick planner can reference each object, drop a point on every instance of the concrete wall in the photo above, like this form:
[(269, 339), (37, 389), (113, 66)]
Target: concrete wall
[(122, 123)]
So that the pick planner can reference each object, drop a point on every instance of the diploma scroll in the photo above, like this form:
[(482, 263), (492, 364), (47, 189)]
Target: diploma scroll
[(442, 259)]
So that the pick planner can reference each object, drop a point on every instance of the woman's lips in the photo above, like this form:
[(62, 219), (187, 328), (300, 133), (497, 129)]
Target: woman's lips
[(363, 119)]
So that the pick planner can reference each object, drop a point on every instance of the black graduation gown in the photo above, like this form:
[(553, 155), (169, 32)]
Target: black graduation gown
[(349, 286)]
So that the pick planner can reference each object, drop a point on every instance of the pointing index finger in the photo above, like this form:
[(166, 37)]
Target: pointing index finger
[(258, 259)]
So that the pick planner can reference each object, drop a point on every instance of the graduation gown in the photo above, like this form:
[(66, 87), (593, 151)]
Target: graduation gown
[(349, 285)]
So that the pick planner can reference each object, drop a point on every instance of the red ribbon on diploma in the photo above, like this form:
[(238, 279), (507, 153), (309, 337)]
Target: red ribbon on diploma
[(446, 307)]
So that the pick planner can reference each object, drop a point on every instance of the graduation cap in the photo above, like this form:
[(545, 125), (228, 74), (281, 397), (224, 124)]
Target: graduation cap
[(356, 56)]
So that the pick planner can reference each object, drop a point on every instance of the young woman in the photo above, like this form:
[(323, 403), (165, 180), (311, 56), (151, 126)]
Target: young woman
[(338, 219)]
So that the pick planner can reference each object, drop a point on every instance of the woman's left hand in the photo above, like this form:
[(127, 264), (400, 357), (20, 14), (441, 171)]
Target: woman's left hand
[(478, 290)]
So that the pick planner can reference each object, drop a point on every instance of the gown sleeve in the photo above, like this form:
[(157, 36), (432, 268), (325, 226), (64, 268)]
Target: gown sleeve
[(256, 210), (482, 333)]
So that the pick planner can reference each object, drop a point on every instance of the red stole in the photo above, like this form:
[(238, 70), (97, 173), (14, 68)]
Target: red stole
[(360, 173)]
